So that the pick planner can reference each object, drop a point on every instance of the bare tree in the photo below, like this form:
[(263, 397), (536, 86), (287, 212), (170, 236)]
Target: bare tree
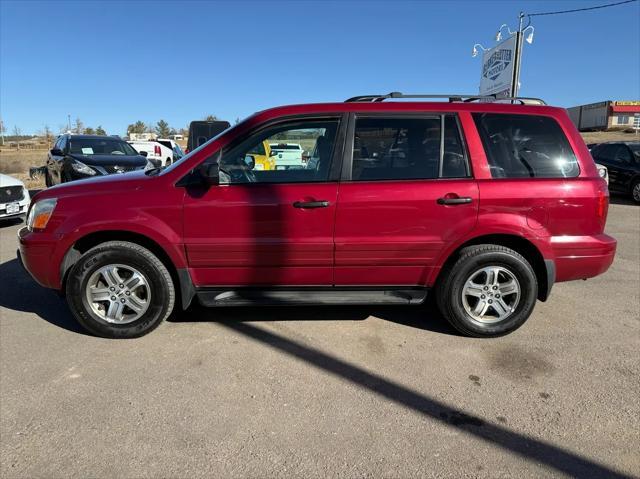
[(79, 126), (17, 131), (211, 118)]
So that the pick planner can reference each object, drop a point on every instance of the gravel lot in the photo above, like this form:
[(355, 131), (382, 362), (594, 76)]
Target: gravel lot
[(312, 392)]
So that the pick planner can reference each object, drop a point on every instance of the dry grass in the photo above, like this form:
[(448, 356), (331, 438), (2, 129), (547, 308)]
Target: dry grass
[(17, 163), (602, 136)]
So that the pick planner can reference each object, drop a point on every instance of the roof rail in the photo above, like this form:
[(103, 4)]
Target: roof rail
[(452, 98)]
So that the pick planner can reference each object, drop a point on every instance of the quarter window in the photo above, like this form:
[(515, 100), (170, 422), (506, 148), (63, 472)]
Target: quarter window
[(525, 146), (407, 149)]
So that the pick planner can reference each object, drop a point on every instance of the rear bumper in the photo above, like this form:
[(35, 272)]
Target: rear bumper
[(582, 257)]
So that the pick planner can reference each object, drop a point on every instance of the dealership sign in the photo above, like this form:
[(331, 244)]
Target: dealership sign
[(497, 68)]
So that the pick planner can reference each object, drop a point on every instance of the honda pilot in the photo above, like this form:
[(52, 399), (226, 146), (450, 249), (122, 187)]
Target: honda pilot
[(483, 203)]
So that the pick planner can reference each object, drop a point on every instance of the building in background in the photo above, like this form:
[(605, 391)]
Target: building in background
[(146, 136), (606, 115)]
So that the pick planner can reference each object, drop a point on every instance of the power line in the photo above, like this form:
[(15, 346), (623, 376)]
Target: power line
[(580, 9)]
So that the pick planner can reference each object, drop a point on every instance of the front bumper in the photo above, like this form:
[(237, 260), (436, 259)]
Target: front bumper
[(23, 207), (36, 253)]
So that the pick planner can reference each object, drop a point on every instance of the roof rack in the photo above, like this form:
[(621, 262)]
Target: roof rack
[(452, 98)]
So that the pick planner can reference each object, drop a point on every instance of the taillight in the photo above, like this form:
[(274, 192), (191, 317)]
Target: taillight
[(603, 206), (156, 150)]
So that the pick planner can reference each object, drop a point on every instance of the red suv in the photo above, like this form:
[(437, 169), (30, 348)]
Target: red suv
[(484, 203)]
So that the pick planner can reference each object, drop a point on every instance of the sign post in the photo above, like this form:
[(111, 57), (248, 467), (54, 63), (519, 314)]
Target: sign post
[(501, 64)]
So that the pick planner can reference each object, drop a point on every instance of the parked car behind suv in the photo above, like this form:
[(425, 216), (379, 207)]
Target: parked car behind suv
[(156, 152), (14, 197), (74, 157), (622, 160), (483, 204)]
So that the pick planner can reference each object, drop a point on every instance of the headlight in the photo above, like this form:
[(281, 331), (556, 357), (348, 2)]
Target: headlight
[(603, 172), (40, 213), (82, 168)]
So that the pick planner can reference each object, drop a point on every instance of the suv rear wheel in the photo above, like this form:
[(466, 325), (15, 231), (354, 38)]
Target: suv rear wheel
[(120, 290), (489, 291)]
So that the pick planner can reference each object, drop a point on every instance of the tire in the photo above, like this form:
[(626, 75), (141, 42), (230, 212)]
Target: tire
[(635, 191), (148, 300), (477, 266), (168, 162)]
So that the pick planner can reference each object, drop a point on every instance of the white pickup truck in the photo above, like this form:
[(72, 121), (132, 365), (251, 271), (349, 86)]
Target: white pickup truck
[(288, 155), (155, 151)]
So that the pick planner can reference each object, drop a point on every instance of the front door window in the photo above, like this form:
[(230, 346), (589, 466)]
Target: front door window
[(254, 161)]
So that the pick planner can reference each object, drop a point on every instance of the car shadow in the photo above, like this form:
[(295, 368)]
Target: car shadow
[(48, 305), (618, 199), (6, 222), (423, 317), (28, 297)]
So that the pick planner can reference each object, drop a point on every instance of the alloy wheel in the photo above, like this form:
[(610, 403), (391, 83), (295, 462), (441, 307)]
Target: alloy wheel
[(491, 294), (118, 294)]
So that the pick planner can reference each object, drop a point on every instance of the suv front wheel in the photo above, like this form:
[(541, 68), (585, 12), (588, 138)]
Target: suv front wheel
[(120, 290), (489, 291)]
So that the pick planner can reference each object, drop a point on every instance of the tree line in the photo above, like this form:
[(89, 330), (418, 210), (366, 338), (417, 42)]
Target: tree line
[(162, 129)]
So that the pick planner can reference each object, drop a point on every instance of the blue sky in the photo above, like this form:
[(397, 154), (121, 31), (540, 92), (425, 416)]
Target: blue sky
[(115, 62)]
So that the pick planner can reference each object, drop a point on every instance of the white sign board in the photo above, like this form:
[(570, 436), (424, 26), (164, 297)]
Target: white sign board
[(497, 68)]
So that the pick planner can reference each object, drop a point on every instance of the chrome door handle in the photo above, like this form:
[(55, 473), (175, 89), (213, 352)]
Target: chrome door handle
[(454, 201), (310, 204)]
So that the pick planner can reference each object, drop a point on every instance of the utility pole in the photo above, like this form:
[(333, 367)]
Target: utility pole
[(68, 122), (515, 81)]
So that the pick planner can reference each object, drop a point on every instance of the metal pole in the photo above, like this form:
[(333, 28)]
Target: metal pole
[(516, 67), (68, 122)]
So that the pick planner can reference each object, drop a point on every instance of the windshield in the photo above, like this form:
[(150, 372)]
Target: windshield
[(178, 150), (100, 146), (188, 155)]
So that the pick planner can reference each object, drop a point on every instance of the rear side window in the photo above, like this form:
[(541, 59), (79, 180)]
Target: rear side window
[(407, 149), (525, 146)]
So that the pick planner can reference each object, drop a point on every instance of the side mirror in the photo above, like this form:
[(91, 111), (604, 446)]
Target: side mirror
[(210, 173), (250, 161), (273, 153), (56, 152), (143, 153)]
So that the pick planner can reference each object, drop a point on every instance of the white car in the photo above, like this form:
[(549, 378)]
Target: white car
[(288, 155), (154, 150), (169, 143), (14, 197)]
